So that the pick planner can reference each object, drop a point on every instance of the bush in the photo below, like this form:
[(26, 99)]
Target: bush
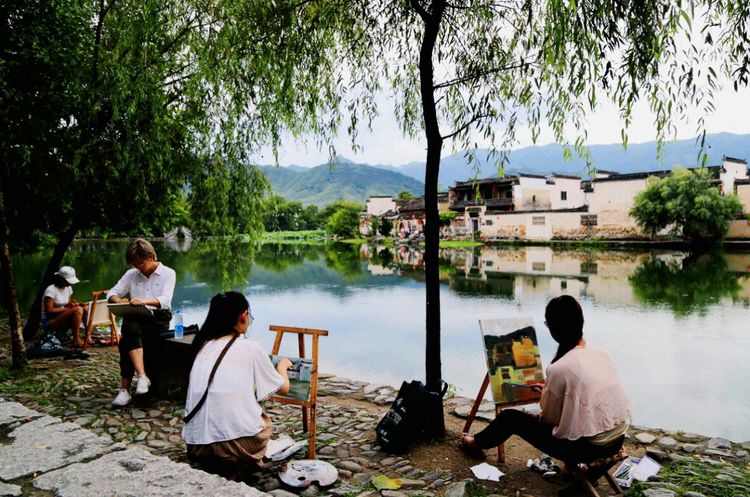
[(344, 222)]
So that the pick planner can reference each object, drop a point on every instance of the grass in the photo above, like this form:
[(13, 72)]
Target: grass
[(721, 481), (353, 241), (281, 236), (459, 244)]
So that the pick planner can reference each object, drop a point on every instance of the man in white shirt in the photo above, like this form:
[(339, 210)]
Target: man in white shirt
[(149, 283)]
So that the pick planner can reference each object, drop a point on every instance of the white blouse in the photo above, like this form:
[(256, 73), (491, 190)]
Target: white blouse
[(244, 377), (160, 285)]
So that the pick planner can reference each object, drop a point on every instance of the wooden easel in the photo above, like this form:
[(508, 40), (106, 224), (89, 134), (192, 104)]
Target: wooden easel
[(311, 402), (99, 315), (498, 408)]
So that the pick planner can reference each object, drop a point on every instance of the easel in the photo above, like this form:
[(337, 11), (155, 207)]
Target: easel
[(498, 408), (311, 402), (99, 315)]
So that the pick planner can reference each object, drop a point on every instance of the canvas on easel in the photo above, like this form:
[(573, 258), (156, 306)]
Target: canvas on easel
[(513, 362), (513, 359)]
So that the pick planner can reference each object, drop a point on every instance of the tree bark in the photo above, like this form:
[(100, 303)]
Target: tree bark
[(432, 20), (63, 243), (18, 349)]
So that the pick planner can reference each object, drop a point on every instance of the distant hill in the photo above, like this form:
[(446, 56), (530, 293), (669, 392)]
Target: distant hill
[(346, 180), (548, 159)]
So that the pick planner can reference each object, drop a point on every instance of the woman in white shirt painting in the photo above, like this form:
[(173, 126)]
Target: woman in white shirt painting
[(148, 283), (225, 426), (584, 412)]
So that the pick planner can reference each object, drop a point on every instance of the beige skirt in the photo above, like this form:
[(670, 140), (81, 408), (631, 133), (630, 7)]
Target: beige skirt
[(240, 450)]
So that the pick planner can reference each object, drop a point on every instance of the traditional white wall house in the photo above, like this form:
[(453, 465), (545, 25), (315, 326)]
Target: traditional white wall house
[(533, 207), (379, 205)]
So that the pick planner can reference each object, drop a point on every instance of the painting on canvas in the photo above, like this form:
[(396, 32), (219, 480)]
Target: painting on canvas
[(513, 359), (300, 375)]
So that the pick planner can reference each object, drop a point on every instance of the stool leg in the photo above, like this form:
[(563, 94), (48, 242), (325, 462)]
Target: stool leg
[(589, 487)]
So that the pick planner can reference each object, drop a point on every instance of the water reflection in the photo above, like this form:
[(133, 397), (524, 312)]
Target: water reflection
[(692, 284), (659, 313)]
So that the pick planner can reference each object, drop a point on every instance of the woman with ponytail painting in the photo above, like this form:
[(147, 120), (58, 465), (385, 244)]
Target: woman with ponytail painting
[(225, 426), (584, 412)]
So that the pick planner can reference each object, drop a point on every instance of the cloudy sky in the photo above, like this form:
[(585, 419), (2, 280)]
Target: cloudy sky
[(386, 145)]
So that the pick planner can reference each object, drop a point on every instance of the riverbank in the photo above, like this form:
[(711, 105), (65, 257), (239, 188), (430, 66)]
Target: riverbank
[(79, 391)]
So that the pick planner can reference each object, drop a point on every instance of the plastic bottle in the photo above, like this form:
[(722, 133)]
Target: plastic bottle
[(179, 330)]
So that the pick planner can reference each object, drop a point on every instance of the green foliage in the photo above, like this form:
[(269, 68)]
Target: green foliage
[(447, 217), (226, 199), (282, 215), (687, 201), (691, 285), (344, 222), (404, 195)]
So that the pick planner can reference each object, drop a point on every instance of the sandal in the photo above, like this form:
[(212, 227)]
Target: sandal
[(470, 449)]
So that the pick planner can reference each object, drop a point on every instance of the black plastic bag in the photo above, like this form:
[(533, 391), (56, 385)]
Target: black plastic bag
[(48, 346), (416, 413)]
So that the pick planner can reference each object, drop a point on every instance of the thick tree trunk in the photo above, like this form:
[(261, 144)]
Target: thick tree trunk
[(63, 243), (432, 20), (18, 349)]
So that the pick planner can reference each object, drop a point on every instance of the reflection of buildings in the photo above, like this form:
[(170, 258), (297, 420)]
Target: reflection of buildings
[(539, 273)]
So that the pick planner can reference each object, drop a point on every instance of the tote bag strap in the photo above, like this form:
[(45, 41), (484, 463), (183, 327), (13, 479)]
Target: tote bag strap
[(200, 403)]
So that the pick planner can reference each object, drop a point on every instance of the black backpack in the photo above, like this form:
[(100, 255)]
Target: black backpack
[(416, 413)]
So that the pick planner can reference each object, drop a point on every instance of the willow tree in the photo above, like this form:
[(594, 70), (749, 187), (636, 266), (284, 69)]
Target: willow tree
[(113, 106), (462, 71)]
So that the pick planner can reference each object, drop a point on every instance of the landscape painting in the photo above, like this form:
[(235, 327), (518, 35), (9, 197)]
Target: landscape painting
[(513, 359), (300, 376)]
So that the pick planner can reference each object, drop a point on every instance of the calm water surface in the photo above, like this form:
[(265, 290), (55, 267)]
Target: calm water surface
[(676, 325)]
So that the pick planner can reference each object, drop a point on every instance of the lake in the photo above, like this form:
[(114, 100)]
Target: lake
[(676, 324)]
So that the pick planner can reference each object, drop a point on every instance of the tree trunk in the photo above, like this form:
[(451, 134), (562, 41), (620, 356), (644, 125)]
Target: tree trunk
[(18, 349), (34, 316), (432, 20)]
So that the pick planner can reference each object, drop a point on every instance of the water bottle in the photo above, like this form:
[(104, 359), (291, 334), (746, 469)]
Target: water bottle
[(178, 328)]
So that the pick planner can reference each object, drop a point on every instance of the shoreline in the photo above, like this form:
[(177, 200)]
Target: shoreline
[(79, 391)]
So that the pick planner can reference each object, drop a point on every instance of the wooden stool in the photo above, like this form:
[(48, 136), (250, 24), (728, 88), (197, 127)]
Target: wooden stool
[(585, 473)]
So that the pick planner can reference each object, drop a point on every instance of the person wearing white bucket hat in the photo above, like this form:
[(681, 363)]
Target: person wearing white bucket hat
[(59, 310)]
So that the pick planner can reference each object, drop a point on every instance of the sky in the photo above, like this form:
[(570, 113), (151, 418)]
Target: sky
[(386, 144)]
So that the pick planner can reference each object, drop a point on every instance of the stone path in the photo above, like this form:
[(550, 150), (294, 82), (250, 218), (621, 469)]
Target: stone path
[(68, 441), (48, 454)]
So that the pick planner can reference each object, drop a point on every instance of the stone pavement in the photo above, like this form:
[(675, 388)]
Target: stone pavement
[(44, 453)]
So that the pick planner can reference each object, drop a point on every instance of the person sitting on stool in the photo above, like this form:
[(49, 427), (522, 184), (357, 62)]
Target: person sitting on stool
[(59, 310), (585, 411), (149, 283)]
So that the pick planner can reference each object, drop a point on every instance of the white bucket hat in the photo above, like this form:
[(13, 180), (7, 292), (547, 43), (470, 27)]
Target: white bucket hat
[(68, 274)]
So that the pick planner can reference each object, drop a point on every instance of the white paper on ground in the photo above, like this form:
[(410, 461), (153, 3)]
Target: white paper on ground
[(645, 468), (278, 444), (289, 451), (486, 471)]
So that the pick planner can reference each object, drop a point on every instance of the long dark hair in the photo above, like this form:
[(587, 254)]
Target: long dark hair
[(565, 321), (223, 313)]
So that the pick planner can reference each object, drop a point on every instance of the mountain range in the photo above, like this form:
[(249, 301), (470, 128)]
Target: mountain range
[(346, 180)]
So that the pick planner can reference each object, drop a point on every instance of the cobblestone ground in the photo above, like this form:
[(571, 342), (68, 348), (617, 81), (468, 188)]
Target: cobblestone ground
[(80, 392)]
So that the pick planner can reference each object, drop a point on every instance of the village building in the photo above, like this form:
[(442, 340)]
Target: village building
[(533, 207)]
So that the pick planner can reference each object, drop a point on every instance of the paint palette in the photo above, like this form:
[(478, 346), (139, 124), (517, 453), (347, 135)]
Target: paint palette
[(302, 473)]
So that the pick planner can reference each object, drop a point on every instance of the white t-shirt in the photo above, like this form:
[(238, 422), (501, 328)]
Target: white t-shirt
[(244, 377), (59, 296)]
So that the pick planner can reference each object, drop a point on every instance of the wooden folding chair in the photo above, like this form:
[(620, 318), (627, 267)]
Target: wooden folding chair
[(588, 474), (100, 315), (311, 404)]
